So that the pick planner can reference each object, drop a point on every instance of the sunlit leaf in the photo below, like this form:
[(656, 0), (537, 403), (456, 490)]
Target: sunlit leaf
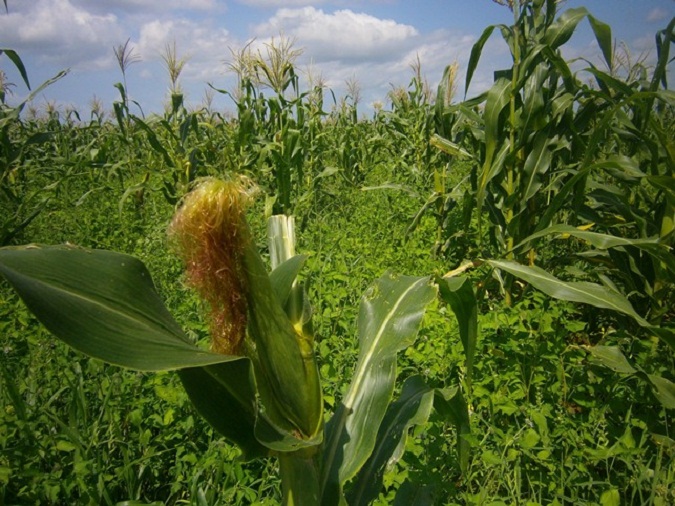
[(389, 316), (574, 291), (413, 407)]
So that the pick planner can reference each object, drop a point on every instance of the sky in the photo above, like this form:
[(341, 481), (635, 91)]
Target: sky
[(370, 42)]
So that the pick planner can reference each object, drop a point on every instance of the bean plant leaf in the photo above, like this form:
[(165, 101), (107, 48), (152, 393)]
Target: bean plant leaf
[(389, 317), (103, 304), (413, 407), (574, 291)]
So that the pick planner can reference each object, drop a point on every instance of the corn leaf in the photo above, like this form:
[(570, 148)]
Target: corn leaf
[(603, 34), (413, 407), (16, 60), (612, 358), (450, 404), (562, 29), (284, 275), (224, 394), (476, 51), (389, 316), (103, 304), (574, 291), (458, 292)]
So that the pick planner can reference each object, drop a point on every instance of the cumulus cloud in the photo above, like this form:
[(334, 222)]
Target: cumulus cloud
[(280, 3), (657, 14), (136, 6), (203, 45), (61, 32), (343, 35)]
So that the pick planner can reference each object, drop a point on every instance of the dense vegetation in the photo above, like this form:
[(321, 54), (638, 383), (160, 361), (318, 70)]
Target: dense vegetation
[(552, 193)]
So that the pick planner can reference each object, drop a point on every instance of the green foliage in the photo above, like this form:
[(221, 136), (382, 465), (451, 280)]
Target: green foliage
[(564, 396)]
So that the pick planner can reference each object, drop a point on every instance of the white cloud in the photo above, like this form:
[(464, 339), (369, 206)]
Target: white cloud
[(341, 36), (204, 46), (280, 3), (61, 33), (134, 6), (657, 14)]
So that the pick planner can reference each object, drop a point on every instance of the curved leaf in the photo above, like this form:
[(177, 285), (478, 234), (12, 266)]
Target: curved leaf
[(476, 51), (458, 292), (103, 304), (284, 275), (389, 316), (603, 34), (611, 357), (562, 29), (285, 368), (574, 291), (16, 60), (450, 404), (225, 395), (413, 407)]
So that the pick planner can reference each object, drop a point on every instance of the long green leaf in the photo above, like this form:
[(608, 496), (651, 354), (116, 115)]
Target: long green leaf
[(413, 407), (603, 34), (575, 291), (225, 395), (458, 292), (389, 316), (284, 275), (16, 60), (497, 99), (652, 246), (476, 51), (612, 358), (103, 304), (450, 404), (664, 390), (563, 27), (601, 241), (537, 162)]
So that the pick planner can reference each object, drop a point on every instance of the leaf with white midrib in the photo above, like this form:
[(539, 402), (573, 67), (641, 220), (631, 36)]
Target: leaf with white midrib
[(575, 291), (389, 316), (103, 304)]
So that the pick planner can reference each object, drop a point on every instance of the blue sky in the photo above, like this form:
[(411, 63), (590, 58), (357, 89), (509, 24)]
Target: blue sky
[(370, 41)]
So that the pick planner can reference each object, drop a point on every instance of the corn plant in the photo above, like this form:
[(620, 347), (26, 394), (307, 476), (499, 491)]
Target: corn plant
[(23, 206), (258, 385), (553, 156)]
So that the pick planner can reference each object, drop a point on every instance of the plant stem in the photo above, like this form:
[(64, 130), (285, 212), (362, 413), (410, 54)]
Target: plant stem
[(299, 479)]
